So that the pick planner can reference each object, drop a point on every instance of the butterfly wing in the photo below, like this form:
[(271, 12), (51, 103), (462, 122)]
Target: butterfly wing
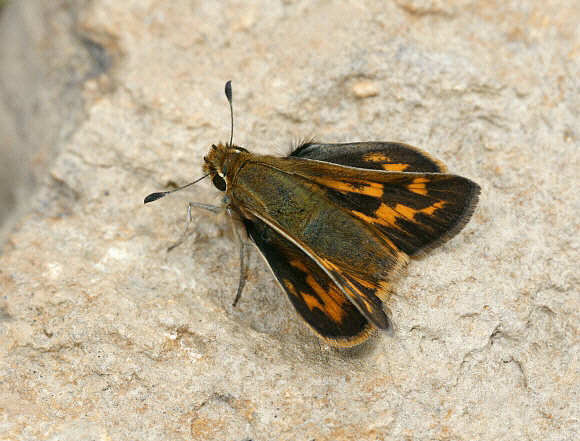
[(416, 211), (349, 228), (385, 156), (316, 297)]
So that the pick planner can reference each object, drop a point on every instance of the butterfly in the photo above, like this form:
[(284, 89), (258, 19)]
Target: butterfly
[(337, 222)]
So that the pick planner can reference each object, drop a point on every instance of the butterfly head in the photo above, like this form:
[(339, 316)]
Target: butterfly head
[(221, 163)]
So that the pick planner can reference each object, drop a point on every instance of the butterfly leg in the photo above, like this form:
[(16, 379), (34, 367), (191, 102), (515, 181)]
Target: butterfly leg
[(242, 279), (207, 207)]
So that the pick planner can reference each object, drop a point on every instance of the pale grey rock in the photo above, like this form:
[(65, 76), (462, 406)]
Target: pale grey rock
[(106, 335)]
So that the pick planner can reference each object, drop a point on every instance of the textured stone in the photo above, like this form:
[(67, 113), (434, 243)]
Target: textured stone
[(106, 335)]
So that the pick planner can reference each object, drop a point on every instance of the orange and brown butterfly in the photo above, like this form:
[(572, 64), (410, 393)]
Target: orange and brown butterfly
[(336, 222)]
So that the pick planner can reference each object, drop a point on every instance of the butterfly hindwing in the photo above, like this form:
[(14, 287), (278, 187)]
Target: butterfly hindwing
[(316, 297), (385, 156)]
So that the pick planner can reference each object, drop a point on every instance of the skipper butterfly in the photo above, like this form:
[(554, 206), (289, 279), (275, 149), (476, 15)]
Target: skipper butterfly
[(336, 222)]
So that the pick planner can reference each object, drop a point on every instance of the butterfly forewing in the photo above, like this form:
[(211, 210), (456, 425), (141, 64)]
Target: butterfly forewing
[(416, 211)]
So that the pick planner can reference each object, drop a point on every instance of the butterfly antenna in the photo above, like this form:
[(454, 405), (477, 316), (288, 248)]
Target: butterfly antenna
[(229, 97), (154, 196)]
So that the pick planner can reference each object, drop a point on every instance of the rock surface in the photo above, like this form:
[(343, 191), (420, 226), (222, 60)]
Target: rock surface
[(106, 335)]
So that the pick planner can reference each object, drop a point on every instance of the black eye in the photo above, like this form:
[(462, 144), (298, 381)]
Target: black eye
[(219, 182)]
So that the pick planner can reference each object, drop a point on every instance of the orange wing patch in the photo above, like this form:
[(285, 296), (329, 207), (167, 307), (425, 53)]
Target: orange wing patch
[(433, 208), (395, 167), (385, 162), (419, 186), (388, 216), (405, 211), (367, 188), (330, 301)]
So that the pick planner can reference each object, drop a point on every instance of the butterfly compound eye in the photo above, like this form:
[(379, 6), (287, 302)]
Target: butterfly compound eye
[(219, 183)]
